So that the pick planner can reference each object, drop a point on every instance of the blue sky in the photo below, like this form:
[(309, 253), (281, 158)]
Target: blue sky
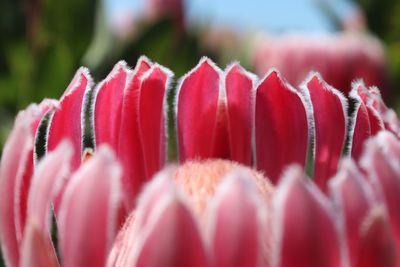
[(269, 15)]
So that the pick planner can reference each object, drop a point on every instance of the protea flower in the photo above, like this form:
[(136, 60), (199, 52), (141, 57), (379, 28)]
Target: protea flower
[(240, 195), (339, 58)]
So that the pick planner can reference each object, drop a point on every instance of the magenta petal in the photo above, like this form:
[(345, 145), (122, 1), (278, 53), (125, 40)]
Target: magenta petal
[(48, 179), (15, 173), (237, 221), (152, 117), (329, 111), (306, 233), (36, 250), (66, 121), (200, 114), (240, 103), (171, 237), (377, 247), (129, 150), (88, 217), (107, 106), (381, 161), (354, 196), (281, 126)]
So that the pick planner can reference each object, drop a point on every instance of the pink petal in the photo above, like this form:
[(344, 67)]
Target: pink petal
[(152, 117), (67, 120), (48, 179), (36, 250), (240, 103), (381, 161), (88, 218), (171, 237), (15, 173), (200, 114), (377, 246), (305, 230), (354, 197), (361, 127), (281, 126), (329, 108), (130, 148), (121, 253), (23, 181), (237, 221), (107, 106)]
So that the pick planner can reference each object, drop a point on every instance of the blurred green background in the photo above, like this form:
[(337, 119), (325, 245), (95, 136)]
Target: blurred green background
[(44, 42)]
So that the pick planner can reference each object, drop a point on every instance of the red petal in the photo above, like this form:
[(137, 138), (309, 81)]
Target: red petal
[(304, 224), (381, 161), (66, 121), (240, 103), (48, 179), (130, 148), (15, 173), (361, 127), (329, 108), (88, 212), (36, 251), (200, 114), (152, 117), (355, 198), (281, 126), (237, 234), (375, 119), (377, 246), (171, 237), (107, 106)]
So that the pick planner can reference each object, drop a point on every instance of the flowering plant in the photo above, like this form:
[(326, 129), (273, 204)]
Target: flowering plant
[(240, 196)]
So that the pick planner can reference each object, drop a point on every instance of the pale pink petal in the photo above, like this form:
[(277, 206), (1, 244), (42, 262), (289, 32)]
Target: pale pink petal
[(304, 226), (329, 111), (15, 173), (36, 250), (23, 181), (129, 148), (88, 219), (377, 245), (281, 126), (121, 253), (67, 120), (240, 113), (171, 237), (152, 117), (49, 177), (354, 197), (200, 114), (107, 106), (237, 222)]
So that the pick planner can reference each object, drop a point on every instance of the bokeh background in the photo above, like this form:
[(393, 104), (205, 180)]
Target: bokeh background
[(43, 42)]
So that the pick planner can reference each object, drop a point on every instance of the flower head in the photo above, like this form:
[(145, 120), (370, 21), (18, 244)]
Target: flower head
[(214, 209)]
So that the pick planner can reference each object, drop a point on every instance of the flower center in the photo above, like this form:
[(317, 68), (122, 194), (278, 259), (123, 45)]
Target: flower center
[(200, 179)]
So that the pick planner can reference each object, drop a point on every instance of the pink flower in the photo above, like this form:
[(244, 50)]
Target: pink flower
[(209, 211), (339, 58)]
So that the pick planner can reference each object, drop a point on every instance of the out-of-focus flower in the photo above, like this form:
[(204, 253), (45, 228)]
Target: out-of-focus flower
[(339, 58), (209, 211)]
